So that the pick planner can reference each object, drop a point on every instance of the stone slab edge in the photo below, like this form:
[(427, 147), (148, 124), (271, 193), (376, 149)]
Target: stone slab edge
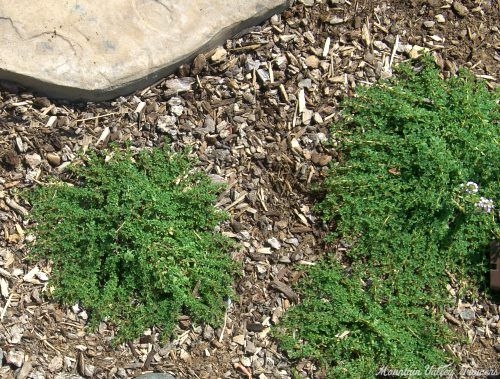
[(57, 91)]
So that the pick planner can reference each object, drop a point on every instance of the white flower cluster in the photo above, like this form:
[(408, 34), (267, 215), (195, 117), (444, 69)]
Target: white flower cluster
[(485, 204), (470, 188)]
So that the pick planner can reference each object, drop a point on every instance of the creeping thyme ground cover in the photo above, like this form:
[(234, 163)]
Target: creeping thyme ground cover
[(415, 199), (132, 241)]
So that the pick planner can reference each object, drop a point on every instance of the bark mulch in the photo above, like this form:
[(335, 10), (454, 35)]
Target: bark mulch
[(257, 113)]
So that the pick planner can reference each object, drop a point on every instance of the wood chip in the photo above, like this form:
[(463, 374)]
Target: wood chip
[(326, 47), (16, 207), (285, 289)]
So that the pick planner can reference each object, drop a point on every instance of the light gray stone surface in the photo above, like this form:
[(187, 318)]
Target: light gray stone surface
[(155, 376), (97, 50)]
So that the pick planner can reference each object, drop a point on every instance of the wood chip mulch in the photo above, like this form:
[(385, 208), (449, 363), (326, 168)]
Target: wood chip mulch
[(257, 113)]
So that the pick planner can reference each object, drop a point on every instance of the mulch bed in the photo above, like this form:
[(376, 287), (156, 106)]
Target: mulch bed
[(257, 113)]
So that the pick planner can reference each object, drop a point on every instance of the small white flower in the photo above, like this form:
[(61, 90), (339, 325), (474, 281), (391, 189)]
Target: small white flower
[(470, 188), (485, 204)]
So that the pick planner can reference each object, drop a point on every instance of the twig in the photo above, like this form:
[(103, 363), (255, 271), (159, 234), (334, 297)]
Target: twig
[(221, 337), (97, 117), (4, 310), (271, 73), (394, 50), (44, 340), (244, 48), (283, 93), (294, 122), (16, 207), (132, 350), (451, 319), (50, 345), (237, 201), (148, 360)]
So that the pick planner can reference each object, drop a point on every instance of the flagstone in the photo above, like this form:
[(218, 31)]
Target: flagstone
[(96, 50)]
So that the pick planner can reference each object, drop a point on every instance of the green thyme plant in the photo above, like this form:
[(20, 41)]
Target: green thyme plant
[(414, 199), (132, 240)]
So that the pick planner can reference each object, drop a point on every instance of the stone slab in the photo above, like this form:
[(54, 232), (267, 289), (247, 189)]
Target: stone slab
[(98, 50), (155, 376)]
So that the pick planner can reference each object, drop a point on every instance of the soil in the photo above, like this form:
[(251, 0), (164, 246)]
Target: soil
[(257, 113)]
